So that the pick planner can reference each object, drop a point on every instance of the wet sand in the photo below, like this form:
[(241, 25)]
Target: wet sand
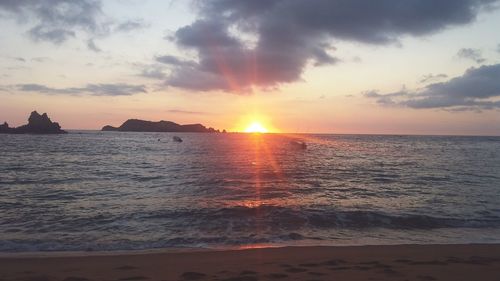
[(399, 262)]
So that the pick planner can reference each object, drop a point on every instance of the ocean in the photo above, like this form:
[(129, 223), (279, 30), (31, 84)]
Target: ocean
[(106, 191)]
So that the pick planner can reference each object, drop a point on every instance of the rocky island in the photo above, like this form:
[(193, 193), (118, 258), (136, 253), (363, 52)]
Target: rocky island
[(136, 125), (37, 124)]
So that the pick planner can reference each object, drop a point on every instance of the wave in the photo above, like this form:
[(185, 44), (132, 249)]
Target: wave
[(239, 225), (289, 218)]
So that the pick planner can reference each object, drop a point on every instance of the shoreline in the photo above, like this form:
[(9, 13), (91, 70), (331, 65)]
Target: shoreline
[(134, 252), (381, 262), (99, 253)]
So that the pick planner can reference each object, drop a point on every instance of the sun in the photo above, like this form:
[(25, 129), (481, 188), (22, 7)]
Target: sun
[(256, 127)]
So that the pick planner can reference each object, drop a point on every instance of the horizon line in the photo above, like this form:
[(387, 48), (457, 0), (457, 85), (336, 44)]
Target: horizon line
[(309, 133)]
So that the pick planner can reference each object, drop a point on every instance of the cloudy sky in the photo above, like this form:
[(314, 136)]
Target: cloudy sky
[(329, 66)]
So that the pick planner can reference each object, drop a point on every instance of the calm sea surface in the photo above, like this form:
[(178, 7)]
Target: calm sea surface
[(125, 191)]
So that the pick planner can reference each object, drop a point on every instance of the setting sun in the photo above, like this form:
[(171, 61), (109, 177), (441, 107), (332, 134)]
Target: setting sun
[(256, 127)]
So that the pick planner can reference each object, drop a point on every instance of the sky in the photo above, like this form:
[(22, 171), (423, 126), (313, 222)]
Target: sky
[(323, 66)]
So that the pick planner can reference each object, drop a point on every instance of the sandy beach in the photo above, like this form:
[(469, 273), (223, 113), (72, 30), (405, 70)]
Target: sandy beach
[(398, 262)]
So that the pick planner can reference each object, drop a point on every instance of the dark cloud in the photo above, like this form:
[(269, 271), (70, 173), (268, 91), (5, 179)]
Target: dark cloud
[(385, 99), (478, 88), (58, 20), (130, 25), (16, 67), (431, 78), (472, 54), (198, 80), (114, 89), (92, 46), (40, 59), (180, 111), (46, 90), (323, 58), (175, 61), (153, 72), (118, 89), (281, 37), (34, 59), (18, 59), (54, 35)]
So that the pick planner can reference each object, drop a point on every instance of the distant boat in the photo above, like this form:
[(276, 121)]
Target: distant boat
[(177, 139), (298, 144)]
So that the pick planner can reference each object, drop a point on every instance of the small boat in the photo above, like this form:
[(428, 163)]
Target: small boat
[(177, 139), (298, 144)]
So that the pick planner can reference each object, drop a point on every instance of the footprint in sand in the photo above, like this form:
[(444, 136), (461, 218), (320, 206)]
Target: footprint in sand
[(134, 278), (334, 262), (402, 261), (126, 267), (314, 273), (191, 275), (340, 268), (73, 278), (277, 275), (433, 262), (241, 278), (295, 270), (309, 264), (38, 278), (426, 277), (248, 272)]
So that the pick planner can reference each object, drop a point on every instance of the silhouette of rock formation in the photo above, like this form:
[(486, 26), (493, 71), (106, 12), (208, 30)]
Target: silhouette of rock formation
[(4, 127), (136, 125), (37, 124)]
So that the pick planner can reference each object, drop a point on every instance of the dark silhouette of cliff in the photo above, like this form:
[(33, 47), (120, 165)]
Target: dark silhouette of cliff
[(37, 124), (135, 125)]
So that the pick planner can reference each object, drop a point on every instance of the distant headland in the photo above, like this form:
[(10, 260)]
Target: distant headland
[(136, 125), (37, 124)]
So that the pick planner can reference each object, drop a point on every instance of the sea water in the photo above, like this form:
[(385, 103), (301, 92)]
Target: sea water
[(103, 191)]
